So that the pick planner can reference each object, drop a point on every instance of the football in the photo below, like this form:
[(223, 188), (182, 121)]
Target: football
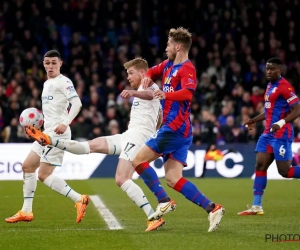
[(32, 116)]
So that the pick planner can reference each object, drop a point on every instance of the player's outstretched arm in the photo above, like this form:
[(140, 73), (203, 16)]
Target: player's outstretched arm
[(251, 122), (179, 96), (145, 94)]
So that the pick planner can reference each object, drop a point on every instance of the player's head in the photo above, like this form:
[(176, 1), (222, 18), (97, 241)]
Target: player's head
[(273, 68), (52, 63), (136, 70), (179, 40)]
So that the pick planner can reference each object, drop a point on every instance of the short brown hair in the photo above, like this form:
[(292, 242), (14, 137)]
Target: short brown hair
[(52, 53), (181, 35), (138, 63)]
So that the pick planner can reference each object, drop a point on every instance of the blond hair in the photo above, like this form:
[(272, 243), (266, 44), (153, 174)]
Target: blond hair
[(138, 63), (181, 35)]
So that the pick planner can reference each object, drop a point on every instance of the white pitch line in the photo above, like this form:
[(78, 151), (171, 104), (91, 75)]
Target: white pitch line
[(51, 229), (108, 217)]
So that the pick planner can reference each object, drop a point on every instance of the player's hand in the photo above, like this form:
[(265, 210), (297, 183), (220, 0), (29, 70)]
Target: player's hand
[(250, 124), (277, 125), (126, 94), (146, 82), (60, 129), (274, 128), (159, 94)]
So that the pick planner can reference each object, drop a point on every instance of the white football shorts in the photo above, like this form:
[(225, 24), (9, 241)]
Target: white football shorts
[(127, 144)]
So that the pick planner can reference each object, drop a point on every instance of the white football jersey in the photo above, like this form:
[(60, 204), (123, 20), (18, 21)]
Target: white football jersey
[(145, 113), (55, 101)]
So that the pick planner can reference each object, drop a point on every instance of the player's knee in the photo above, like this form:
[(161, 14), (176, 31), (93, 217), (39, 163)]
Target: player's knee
[(120, 179), (27, 168), (260, 166), (171, 181), (136, 162), (42, 176), (283, 172)]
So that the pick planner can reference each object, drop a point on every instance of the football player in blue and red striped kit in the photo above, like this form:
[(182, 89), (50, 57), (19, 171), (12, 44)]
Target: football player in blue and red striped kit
[(281, 108), (174, 138)]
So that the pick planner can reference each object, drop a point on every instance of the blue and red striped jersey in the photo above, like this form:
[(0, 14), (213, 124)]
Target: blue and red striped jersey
[(176, 114), (279, 98)]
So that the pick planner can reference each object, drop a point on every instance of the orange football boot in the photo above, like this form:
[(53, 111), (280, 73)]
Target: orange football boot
[(20, 216), (154, 224), (37, 135), (81, 207)]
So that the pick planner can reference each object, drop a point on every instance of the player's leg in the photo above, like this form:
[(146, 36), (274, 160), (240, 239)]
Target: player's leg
[(104, 145), (264, 158), (53, 157), (141, 163), (135, 193), (174, 163), (159, 144), (29, 166), (283, 156)]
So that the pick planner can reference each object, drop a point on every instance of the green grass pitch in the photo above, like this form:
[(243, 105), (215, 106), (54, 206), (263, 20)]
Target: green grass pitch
[(54, 224)]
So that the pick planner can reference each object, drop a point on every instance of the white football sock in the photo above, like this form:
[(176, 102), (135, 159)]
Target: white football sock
[(137, 195), (60, 186), (29, 188), (75, 147)]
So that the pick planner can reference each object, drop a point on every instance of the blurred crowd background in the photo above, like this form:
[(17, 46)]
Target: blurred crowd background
[(232, 40)]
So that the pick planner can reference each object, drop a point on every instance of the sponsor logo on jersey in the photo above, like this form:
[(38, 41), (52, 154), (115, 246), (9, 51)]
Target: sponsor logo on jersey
[(71, 89), (266, 98), (47, 98), (135, 103), (168, 80)]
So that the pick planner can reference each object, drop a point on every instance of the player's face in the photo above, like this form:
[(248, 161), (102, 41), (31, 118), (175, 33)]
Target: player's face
[(171, 50), (134, 76), (52, 66), (273, 71)]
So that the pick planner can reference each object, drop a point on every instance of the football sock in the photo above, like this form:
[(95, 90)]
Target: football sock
[(60, 186), (29, 187), (191, 192), (136, 194), (260, 183), (294, 172), (150, 178), (71, 146)]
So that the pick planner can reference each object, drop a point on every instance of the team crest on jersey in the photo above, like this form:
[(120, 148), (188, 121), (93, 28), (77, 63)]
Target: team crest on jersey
[(175, 73), (274, 90)]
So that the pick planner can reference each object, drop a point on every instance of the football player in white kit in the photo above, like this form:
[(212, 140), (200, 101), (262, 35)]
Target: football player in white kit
[(145, 118), (60, 105)]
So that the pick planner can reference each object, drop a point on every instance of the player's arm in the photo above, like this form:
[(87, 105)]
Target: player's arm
[(67, 88), (74, 110), (146, 94), (153, 73), (251, 122), (292, 99), (156, 71), (188, 81)]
